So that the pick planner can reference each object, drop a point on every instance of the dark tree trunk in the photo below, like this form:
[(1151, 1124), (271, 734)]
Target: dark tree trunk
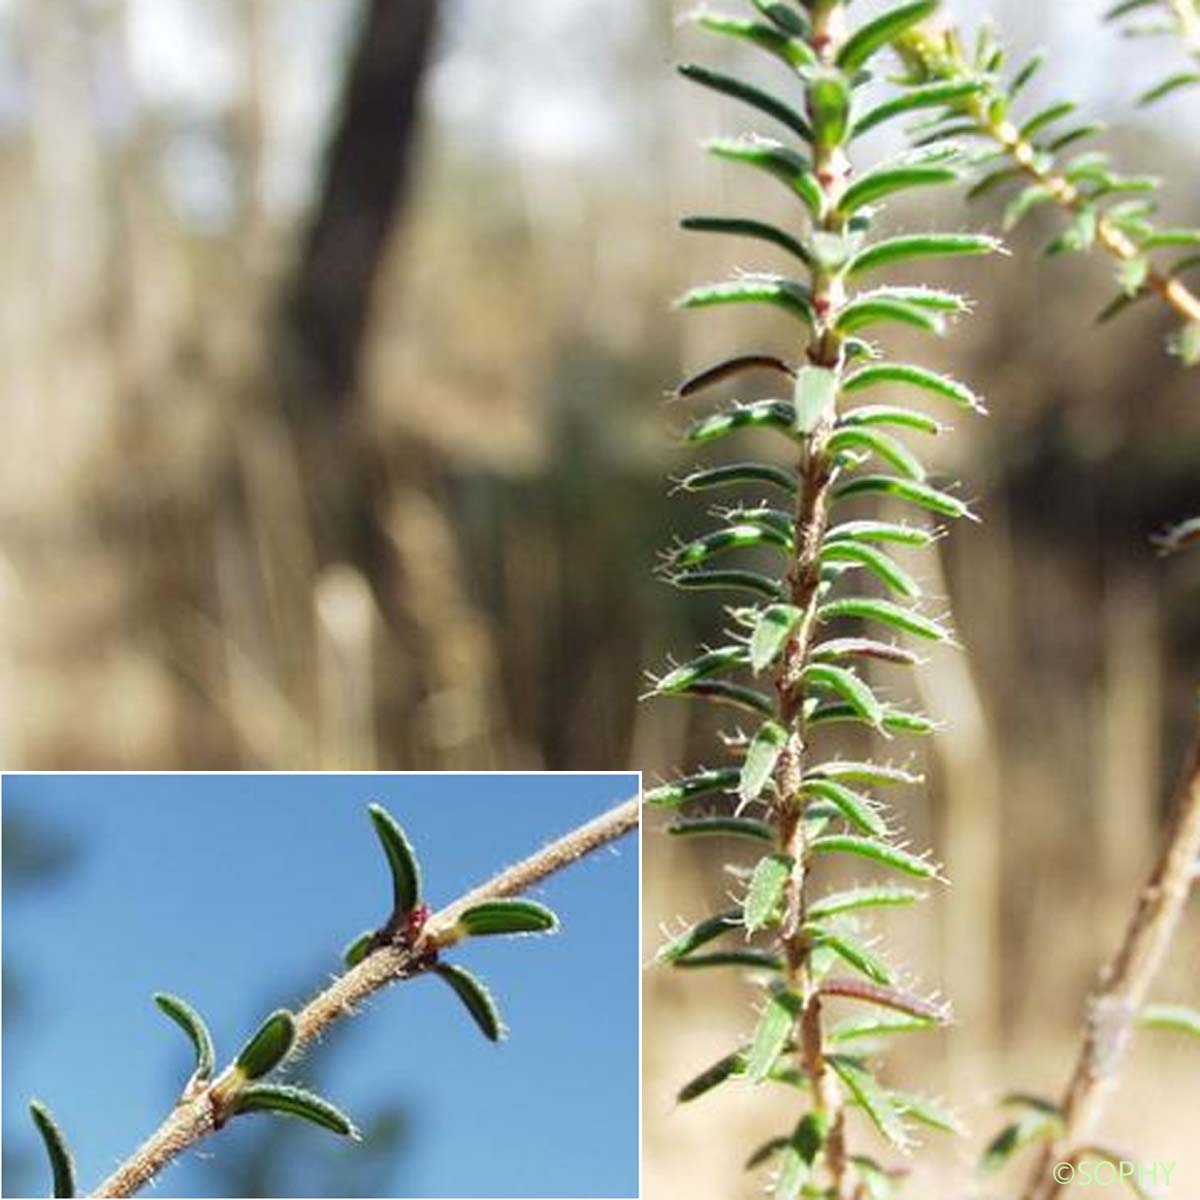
[(326, 307)]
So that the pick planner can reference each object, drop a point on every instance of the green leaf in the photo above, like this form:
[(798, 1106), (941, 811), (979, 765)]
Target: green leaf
[(873, 186), (61, 1164), (406, 874), (791, 169), (771, 632), (738, 89), (762, 414), (876, 561), (905, 373), (850, 951), (294, 1102), (799, 1153), (1186, 344), (733, 537), (929, 245), (1175, 1017), (713, 662), (721, 691), (788, 49), (192, 1023), (895, 720), (786, 18), (699, 935), (356, 951), (870, 1028), (745, 827), (872, 441), (851, 689), (814, 397), (863, 772), (689, 787), (771, 1034), (727, 368), (492, 917), (926, 95), (872, 1099), (868, 310), (1024, 203), (765, 1152), (875, 851), (745, 227), (756, 960), (786, 294), (829, 104), (872, 37), (857, 809), (1033, 1127), (766, 890), (1173, 83), (893, 415), (921, 1109), (475, 997), (744, 581), (739, 473), (881, 531), (269, 1046), (711, 1077), (1046, 116), (761, 758), (911, 490), (854, 899)]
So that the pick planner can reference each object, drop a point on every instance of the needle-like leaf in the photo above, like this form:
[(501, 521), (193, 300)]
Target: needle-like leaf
[(61, 1165), (269, 1046), (406, 874), (507, 916), (475, 997), (192, 1023), (294, 1102)]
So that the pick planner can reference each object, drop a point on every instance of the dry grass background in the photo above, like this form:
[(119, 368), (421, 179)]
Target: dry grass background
[(169, 599)]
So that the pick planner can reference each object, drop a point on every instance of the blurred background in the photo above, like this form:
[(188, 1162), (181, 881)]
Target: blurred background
[(336, 337), (239, 893)]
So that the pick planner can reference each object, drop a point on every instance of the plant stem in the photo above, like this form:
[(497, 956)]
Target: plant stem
[(1170, 288), (815, 468), (1125, 983), (194, 1119)]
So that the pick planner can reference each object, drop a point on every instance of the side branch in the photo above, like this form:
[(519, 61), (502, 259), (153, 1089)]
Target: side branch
[(1126, 982), (194, 1119)]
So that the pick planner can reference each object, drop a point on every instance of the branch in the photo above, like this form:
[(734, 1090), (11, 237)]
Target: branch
[(194, 1119), (1125, 983), (1025, 156)]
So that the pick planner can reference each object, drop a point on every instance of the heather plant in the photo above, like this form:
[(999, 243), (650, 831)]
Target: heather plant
[(828, 594), (1037, 156), (821, 561), (410, 943)]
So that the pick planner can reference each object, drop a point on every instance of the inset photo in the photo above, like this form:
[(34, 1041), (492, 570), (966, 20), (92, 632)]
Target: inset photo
[(380, 985)]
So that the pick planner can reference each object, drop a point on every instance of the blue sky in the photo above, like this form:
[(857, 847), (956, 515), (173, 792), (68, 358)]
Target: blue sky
[(239, 892)]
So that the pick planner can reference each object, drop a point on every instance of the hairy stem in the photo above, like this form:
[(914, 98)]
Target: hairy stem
[(194, 1119), (1170, 288), (1125, 983), (815, 468)]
